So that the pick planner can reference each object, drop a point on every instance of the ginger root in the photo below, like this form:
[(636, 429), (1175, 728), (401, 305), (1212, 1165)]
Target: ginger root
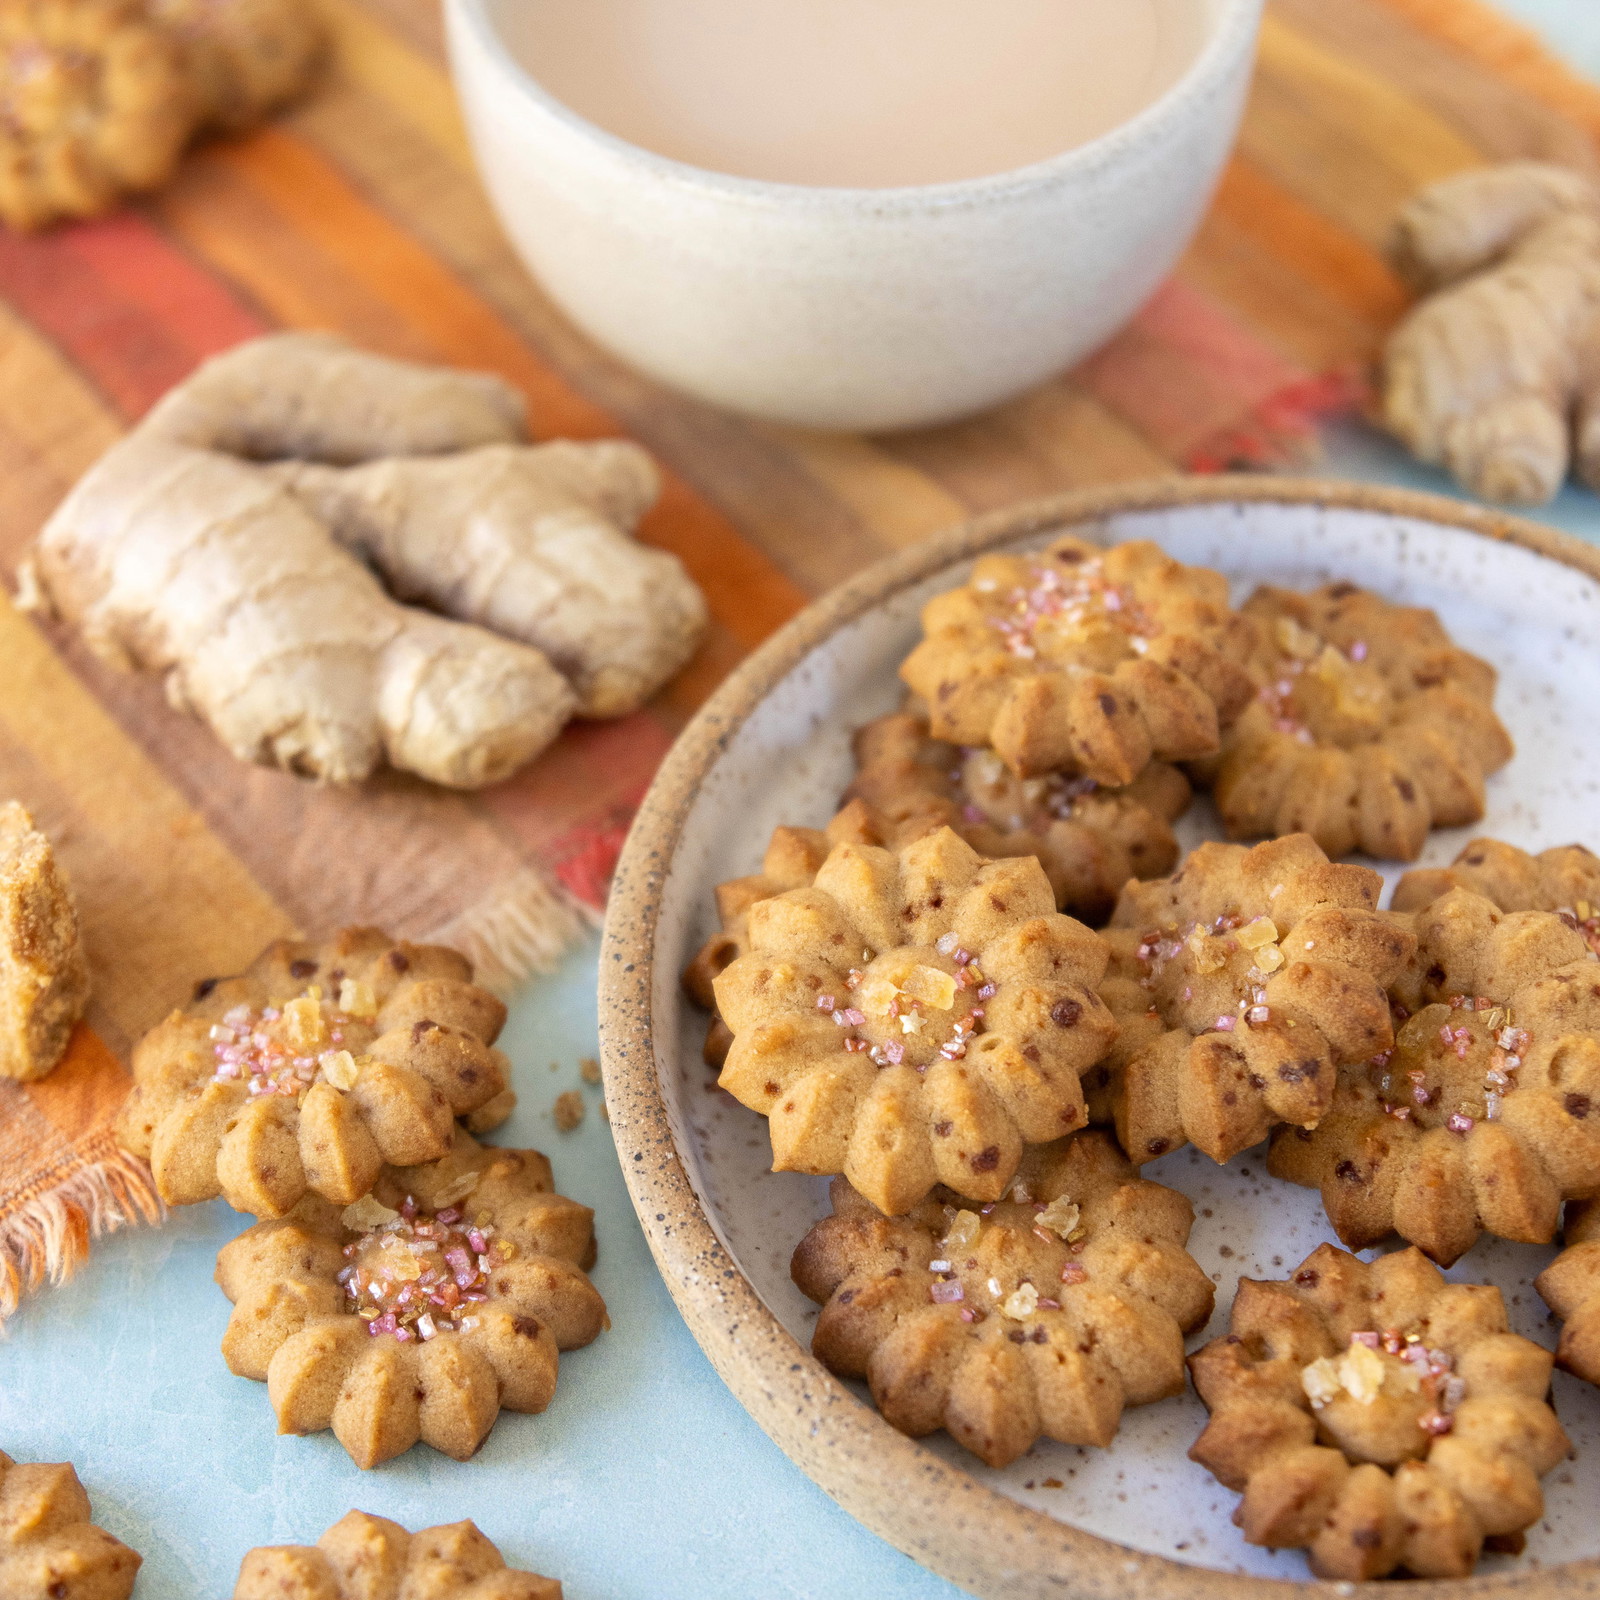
[(44, 979), (228, 543), (1496, 375)]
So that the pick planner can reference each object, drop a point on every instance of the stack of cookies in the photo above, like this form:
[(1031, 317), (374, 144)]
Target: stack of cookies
[(988, 991)]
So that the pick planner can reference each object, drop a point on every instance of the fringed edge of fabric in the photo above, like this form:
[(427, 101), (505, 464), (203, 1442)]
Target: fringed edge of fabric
[(47, 1237), (1282, 430), (519, 930)]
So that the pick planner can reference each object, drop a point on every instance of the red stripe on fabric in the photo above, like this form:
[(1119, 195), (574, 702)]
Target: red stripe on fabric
[(133, 313)]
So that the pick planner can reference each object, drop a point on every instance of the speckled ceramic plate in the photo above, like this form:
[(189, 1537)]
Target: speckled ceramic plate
[(1137, 1519)]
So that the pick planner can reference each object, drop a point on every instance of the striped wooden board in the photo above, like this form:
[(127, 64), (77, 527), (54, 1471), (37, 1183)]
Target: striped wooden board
[(360, 212)]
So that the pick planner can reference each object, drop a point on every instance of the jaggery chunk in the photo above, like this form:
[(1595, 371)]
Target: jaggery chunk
[(44, 978)]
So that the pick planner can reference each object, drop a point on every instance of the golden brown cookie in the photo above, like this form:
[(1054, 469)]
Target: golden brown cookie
[(44, 977), (1240, 984), (94, 103), (313, 1068), (244, 58), (1565, 880), (1044, 1313), (362, 1557), (1090, 840), (1485, 1114), (421, 1311), (1082, 660), (1377, 1417), (1570, 1286), (1370, 727), (49, 1549), (912, 1018)]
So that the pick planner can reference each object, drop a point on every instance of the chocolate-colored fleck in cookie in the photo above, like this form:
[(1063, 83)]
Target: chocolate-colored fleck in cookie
[(1370, 727), (1378, 1417), (94, 102), (419, 1312), (362, 1557), (1239, 985), (1083, 660), (912, 1018), (312, 1069), (1485, 1113), (1089, 839), (1044, 1313), (49, 1549)]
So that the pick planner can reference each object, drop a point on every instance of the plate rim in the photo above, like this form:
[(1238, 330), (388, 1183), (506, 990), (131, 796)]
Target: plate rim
[(935, 1512)]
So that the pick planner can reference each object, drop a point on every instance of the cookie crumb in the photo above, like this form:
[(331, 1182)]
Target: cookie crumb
[(568, 1110), (589, 1070), (605, 1113)]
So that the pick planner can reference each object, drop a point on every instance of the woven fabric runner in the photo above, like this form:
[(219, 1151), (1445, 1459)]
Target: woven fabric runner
[(360, 212)]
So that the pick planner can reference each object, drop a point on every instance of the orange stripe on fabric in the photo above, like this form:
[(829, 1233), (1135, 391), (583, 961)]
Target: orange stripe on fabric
[(749, 595), (86, 1089), (1512, 51), (1328, 257)]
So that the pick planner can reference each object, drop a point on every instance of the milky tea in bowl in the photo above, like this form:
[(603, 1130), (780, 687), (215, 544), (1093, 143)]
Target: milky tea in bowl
[(857, 93)]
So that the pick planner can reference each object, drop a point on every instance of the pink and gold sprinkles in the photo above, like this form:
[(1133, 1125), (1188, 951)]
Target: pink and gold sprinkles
[(1411, 1368), (1068, 603), (416, 1275), (285, 1049)]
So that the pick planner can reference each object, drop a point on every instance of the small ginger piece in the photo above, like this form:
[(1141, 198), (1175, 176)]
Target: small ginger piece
[(247, 585), (1495, 376), (589, 1070), (44, 979)]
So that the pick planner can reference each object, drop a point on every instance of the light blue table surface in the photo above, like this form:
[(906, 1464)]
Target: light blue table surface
[(645, 1480)]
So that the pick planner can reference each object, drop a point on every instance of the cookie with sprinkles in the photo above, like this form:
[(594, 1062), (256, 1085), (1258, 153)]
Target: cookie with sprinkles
[(311, 1069), (1090, 839), (1485, 1113), (49, 1549), (1369, 727), (1570, 1286), (1082, 660), (1378, 1417), (419, 1312), (913, 1017), (362, 1557), (1045, 1313), (1240, 985), (1565, 880)]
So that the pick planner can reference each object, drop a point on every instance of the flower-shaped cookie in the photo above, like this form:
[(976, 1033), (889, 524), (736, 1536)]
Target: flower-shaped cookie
[(421, 1311), (1089, 840), (1370, 727), (49, 1549), (312, 1069), (1571, 1288), (1485, 1115), (1239, 985), (94, 101), (362, 1557), (1082, 660), (1377, 1417), (1565, 880), (245, 57), (912, 1018), (1045, 1313)]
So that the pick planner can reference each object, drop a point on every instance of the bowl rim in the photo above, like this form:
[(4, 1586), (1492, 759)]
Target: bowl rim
[(935, 1512), (1232, 37)]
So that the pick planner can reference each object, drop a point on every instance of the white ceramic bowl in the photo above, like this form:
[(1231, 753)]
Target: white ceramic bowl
[(1139, 1520), (860, 309)]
